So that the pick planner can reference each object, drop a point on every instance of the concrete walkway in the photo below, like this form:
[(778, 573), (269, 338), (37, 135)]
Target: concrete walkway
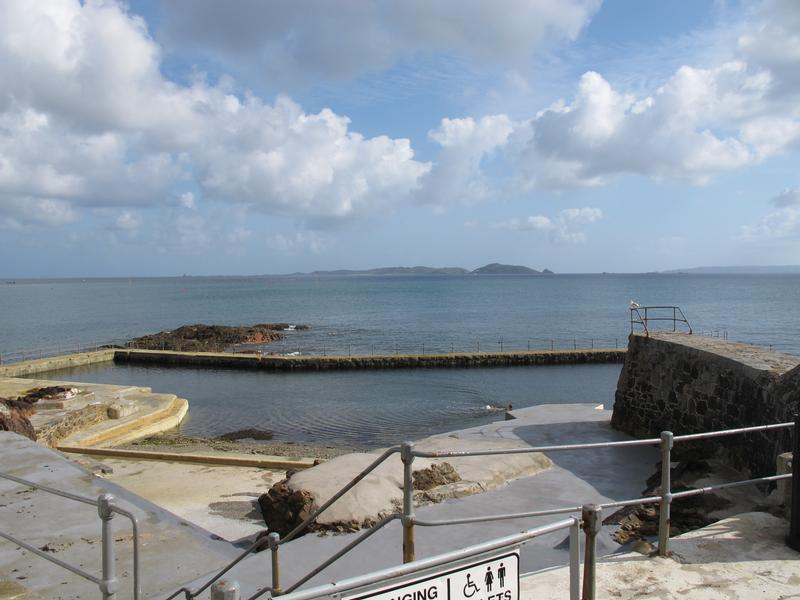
[(739, 558), (575, 478)]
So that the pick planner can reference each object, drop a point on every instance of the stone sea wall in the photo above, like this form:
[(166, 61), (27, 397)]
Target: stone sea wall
[(690, 384), (52, 363), (325, 363)]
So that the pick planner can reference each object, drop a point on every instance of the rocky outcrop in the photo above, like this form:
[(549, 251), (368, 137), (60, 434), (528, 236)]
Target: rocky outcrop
[(640, 521), (284, 509), (380, 493), (435, 475), (250, 433), (14, 417), (213, 338)]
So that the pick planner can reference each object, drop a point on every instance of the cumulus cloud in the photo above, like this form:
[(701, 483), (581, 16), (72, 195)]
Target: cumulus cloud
[(286, 161), (87, 119), (284, 46), (569, 226), (17, 212), (698, 123), (782, 223), (457, 176)]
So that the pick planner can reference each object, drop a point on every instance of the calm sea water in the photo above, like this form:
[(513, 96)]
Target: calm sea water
[(358, 409), (404, 314), (354, 314)]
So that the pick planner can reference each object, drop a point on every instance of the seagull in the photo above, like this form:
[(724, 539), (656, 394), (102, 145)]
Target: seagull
[(634, 305)]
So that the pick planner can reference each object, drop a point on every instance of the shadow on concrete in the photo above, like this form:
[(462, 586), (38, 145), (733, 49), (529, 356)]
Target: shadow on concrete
[(618, 473)]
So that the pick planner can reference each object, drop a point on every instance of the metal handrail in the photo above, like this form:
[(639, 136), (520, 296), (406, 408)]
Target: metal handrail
[(260, 543), (106, 507), (386, 347), (639, 319), (408, 519), (434, 561)]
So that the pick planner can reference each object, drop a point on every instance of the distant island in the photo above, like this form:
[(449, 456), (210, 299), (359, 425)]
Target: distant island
[(740, 270), (490, 269)]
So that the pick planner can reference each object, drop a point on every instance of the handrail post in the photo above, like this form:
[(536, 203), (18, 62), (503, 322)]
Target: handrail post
[(666, 493), (407, 456), (108, 583), (591, 515), (793, 539), (226, 589), (273, 540), (575, 560)]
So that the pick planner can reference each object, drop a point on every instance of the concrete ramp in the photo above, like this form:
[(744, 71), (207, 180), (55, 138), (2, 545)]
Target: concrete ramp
[(173, 551)]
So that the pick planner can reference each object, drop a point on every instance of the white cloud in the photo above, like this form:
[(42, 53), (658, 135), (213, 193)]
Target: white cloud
[(696, 124), (87, 119), (20, 212), (128, 221), (569, 226), (457, 177), (186, 200), (278, 41), (285, 161), (780, 224)]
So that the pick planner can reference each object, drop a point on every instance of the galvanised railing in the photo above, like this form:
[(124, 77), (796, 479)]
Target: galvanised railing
[(106, 508), (590, 519), (312, 347), (645, 315)]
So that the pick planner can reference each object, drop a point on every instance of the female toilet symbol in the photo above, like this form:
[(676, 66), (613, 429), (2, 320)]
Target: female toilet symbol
[(489, 579), (470, 589)]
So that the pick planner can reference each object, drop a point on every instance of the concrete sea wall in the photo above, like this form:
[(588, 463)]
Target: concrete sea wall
[(53, 363), (690, 384), (325, 363)]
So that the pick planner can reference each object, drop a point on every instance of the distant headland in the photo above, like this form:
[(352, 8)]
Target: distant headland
[(490, 269)]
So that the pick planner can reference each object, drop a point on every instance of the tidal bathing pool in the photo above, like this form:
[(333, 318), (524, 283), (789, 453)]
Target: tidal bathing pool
[(363, 409)]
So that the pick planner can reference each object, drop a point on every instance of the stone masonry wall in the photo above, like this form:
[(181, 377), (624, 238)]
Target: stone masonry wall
[(690, 384), (329, 363)]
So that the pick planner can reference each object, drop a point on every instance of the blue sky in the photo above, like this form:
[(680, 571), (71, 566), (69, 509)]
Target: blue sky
[(202, 137)]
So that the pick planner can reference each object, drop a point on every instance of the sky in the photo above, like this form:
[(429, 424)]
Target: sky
[(200, 137)]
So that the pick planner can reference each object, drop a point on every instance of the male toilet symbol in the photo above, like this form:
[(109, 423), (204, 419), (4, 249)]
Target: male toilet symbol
[(501, 574), (470, 589)]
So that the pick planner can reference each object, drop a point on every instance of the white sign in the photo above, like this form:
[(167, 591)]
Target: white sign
[(495, 578)]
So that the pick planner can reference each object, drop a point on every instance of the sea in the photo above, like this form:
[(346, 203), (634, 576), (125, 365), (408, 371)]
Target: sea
[(402, 314)]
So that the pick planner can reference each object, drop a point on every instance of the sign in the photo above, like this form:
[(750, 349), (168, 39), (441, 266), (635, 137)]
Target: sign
[(494, 578)]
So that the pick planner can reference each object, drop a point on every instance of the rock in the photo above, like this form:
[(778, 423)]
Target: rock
[(284, 509), (14, 417), (380, 493), (53, 392), (643, 547), (641, 521), (435, 475), (119, 411), (249, 433), (212, 338)]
